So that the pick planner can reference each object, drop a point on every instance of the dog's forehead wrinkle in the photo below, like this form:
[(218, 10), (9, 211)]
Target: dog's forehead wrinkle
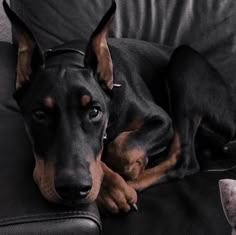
[(65, 87), (83, 83), (64, 57), (61, 79), (70, 79)]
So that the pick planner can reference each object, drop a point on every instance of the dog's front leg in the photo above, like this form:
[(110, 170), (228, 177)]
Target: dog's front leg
[(186, 129), (115, 194), (157, 174), (129, 152)]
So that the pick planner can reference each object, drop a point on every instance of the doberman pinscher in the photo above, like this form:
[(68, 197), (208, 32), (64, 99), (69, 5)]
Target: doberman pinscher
[(97, 112)]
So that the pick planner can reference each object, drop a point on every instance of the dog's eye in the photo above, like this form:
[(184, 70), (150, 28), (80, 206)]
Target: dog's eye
[(40, 115), (94, 113)]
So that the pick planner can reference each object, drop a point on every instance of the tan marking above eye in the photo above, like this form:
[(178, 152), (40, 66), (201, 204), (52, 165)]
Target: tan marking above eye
[(49, 102), (85, 100)]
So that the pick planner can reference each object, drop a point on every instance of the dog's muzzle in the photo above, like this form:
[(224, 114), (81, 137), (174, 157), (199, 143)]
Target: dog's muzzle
[(67, 188)]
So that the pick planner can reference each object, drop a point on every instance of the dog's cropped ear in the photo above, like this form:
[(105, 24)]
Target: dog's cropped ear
[(98, 56), (28, 50)]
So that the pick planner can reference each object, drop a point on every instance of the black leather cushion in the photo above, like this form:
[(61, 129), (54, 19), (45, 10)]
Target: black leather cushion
[(169, 22), (208, 26), (191, 206), (22, 208)]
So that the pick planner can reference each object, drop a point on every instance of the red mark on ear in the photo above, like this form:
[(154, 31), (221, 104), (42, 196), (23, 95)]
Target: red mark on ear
[(49, 102), (85, 100)]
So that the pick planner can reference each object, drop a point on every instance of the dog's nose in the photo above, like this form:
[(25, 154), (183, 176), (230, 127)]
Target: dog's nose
[(71, 190)]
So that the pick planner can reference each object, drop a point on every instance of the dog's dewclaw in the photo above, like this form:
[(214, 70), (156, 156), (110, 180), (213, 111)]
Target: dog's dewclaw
[(134, 207)]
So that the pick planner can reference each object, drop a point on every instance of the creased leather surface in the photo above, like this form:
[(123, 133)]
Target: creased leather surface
[(66, 226), (22, 208), (208, 26), (170, 22), (5, 28)]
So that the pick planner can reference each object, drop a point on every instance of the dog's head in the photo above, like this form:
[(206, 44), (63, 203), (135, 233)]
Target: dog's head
[(64, 98)]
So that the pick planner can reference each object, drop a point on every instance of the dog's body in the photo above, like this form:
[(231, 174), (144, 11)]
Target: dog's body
[(138, 122), (83, 98)]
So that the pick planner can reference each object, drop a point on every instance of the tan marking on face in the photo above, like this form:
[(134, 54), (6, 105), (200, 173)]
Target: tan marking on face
[(49, 102), (44, 177), (85, 100), (97, 176)]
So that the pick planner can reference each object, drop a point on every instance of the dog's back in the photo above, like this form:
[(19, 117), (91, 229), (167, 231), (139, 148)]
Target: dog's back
[(143, 65)]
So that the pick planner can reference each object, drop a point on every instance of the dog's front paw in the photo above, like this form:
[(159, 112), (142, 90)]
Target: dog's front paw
[(182, 158), (186, 165), (116, 195)]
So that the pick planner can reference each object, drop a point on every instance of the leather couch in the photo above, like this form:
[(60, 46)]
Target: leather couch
[(188, 206)]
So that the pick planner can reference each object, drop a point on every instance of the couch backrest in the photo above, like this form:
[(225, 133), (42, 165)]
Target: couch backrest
[(169, 22), (207, 25), (5, 28)]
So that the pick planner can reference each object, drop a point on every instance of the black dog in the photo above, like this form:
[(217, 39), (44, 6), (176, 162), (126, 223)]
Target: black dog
[(72, 100)]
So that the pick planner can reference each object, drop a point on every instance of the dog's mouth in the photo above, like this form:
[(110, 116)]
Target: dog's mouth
[(44, 177)]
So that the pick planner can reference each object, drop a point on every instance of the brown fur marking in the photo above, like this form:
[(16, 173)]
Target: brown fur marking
[(44, 177), (152, 175), (105, 66), (49, 102), (135, 125), (97, 176), (25, 51), (127, 162), (85, 100), (101, 50), (133, 164), (115, 193)]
